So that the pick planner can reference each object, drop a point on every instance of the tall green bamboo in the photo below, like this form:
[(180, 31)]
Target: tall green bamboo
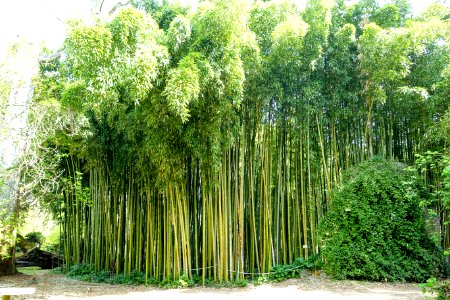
[(219, 160)]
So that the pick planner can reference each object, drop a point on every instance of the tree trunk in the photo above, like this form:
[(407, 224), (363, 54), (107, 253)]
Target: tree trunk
[(7, 265), (13, 143), (8, 257)]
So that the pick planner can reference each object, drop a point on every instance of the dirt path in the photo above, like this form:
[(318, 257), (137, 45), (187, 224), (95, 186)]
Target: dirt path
[(50, 286)]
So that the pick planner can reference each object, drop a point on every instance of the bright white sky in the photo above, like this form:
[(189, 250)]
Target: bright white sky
[(43, 20)]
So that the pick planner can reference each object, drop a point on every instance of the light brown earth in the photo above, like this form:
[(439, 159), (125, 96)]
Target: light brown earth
[(308, 286)]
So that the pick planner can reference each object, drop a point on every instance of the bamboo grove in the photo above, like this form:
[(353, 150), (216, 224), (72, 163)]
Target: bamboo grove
[(207, 142)]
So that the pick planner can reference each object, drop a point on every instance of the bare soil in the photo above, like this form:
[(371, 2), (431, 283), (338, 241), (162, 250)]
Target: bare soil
[(308, 286)]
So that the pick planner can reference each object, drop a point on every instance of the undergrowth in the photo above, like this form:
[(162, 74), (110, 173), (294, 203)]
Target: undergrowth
[(440, 290), (85, 272)]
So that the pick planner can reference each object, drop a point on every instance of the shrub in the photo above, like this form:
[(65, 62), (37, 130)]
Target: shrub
[(283, 272), (375, 229), (241, 282), (79, 270), (439, 289), (35, 237)]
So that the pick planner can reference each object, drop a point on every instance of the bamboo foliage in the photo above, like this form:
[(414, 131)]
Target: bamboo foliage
[(220, 160)]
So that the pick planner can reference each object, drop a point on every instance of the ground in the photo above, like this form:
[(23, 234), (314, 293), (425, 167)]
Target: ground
[(308, 286)]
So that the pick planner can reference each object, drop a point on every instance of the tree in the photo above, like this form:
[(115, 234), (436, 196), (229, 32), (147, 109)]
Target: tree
[(404, 10), (387, 16), (162, 12), (360, 13), (435, 10), (16, 91)]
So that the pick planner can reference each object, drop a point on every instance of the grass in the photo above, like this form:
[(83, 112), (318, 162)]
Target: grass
[(34, 270)]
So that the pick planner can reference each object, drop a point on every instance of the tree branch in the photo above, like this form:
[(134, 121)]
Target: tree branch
[(50, 57), (117, 6)]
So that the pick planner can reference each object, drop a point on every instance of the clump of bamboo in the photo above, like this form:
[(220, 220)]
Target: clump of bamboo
[(221, 161)]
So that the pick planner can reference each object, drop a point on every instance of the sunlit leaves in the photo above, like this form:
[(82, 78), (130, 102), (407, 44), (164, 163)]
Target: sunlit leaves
[(431, 57), (288, 39), (341, 61), (88, 48), (73, 96), (142, 70), (129, 28), (384, 58), (218, 31), (359, 13), (318, 15), (233, 76), (404, 10), (118, 61), (179, 33), (318, 12), (163, 12), (286, 59), (183, 87), (251, 58), (219, 23), (370, 45), (264, 17), (419, 92), (435, 11), (138, 57), (346, 34)]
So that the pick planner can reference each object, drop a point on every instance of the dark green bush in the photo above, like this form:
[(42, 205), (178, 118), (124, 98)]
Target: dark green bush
[(375, 229), (35, 237), (79, 270)]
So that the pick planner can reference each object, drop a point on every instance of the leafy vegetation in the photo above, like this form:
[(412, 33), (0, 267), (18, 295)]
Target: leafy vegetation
[(277, 273), (206, 144), (210, 145), (375, 229), (293, 270), (441, 289), (35, 237)]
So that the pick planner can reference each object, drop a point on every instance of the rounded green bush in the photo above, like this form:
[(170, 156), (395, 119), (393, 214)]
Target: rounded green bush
[(36, 237), (375, 229)]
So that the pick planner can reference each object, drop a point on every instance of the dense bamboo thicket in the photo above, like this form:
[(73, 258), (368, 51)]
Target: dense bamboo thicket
[(208, 142)]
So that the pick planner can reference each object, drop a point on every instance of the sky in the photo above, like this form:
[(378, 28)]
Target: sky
[(41, 21)]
